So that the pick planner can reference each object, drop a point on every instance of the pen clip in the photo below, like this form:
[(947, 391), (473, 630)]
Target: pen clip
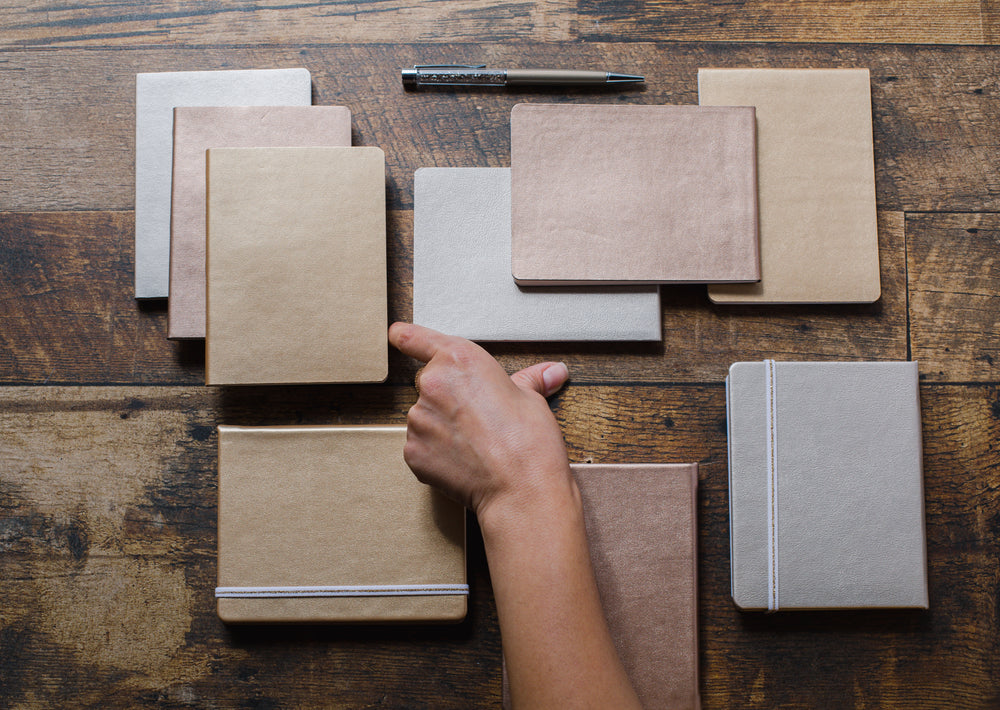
[(449, 66)]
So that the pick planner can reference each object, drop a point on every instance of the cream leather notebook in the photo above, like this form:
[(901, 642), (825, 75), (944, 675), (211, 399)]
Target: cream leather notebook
[(328, 524), (461, 272), (296, 266), (816, 183), (196, 129), (612, 194), (826, 485), (156, 96)]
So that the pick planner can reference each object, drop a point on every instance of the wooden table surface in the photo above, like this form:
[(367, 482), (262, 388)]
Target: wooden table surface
[(107, 435)]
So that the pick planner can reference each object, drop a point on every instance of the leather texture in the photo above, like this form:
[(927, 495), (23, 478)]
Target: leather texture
[(156, 96), (196, 129), (642, 531), (850, 524), (333, 505), (816, 183), (296, 266), (626, 193), (461, 272)]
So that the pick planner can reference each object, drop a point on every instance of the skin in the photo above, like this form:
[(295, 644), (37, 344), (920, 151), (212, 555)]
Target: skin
[(491, 442)]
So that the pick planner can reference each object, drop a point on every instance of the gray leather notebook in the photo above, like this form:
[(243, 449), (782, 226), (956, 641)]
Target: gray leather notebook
[(826, 485), (461, 272), (156, 96)]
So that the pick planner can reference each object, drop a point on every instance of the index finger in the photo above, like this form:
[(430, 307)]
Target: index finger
[(417, 341)]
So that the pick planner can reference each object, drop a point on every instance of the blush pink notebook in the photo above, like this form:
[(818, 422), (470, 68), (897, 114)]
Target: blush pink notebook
[(642, 530), (609, 194), (197, 129)]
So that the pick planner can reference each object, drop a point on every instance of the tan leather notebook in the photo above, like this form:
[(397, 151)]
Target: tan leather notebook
[(196, 129), (296, 266), (328, 524), (611, 194), (642, 530), (816, 183)]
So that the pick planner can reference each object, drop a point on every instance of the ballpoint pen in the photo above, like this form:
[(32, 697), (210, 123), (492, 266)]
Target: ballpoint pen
[(479, 75)]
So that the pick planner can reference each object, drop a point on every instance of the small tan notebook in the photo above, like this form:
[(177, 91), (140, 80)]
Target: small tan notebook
[(328, 524), (611, 194), (296, 266), (197, 129), (816, 183), (642, 530)]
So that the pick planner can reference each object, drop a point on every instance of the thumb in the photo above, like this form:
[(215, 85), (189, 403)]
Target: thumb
[(543, 377)]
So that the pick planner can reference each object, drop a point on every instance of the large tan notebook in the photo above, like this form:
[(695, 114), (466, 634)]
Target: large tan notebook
[(642, 531), (816, 183), (196, 129), (612, 194), (328, 524), (296, 266)]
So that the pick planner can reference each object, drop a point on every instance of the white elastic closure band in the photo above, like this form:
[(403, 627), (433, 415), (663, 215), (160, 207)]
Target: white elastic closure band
[(771, 419), (369, 590)]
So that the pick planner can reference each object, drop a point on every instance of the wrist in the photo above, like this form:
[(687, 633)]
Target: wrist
[(537, 503)]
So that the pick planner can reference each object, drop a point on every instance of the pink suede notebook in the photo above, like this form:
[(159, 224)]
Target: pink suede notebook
[(197, 129), (642, 530), (611, 194)]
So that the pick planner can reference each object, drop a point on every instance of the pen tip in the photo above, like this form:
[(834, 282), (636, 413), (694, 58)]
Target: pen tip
[(614, 77)]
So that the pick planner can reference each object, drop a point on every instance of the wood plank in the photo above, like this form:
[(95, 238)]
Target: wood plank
[(68, 116), (875, 21), (107, 535), (952, 271), (124, 23), (69, 316)]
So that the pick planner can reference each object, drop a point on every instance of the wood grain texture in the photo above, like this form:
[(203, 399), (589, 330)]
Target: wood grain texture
[(877, 21), (107, 535), (69, 316), (69, 116), (130, 23), (953, 269)]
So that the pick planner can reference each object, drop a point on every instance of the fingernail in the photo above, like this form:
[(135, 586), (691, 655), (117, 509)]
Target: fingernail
[(554, 377)]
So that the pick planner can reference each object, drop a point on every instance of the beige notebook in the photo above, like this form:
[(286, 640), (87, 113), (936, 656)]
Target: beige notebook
[(328, 524), (197, 129), (816, 183), (296, 266), (612, 194)]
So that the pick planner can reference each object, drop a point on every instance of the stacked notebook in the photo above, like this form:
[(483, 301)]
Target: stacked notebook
[(765, 192), (274, 226)]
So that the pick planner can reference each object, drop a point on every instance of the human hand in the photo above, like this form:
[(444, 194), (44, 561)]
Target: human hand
[(476, 433)]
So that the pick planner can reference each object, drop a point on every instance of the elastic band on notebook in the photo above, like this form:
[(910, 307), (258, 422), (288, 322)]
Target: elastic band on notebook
[(376, 590), (772, 487)]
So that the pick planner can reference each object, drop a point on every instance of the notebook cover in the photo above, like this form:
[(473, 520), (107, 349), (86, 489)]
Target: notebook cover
[(626, 193), (848, 485), (296, 266), (642, 531), (195, 130), (156, 95), (461, 272), (816, 183), (333, 506)]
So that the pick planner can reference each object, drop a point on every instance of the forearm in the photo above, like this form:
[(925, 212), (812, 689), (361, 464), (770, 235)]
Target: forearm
[(556, 643)]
